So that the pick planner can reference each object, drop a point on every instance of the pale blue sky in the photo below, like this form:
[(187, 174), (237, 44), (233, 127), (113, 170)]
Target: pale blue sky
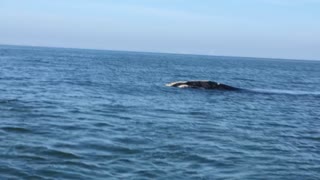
[(256, 28)]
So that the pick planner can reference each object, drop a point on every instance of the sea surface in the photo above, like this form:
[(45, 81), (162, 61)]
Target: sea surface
[(90, 114)]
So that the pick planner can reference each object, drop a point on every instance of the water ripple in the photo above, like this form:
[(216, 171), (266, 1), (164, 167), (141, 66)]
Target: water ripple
[(86, 114)]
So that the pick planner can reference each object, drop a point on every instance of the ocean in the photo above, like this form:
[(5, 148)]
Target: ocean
[(93, 114)]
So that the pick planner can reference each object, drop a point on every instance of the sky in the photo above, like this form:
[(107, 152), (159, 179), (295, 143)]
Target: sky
[(250, 28)]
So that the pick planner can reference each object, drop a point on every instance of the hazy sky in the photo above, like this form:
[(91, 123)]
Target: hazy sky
[(258, 28)]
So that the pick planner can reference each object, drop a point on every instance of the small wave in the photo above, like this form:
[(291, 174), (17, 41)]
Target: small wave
[(289, 92), (16, 129), (60, 154), (6, 101)]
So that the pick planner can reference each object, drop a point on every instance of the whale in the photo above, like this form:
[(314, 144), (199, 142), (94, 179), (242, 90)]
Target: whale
[(202, 84)]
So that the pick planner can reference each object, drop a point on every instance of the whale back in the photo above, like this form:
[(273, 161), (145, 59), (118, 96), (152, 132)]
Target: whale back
[(201, 84)]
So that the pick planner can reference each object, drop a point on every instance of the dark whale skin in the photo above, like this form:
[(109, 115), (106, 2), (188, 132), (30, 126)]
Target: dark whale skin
[(202, 85)]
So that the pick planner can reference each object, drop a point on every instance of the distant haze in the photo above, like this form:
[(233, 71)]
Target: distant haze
[(255, 28)]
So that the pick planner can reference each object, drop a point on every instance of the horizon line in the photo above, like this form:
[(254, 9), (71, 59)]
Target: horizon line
[(153, 52)]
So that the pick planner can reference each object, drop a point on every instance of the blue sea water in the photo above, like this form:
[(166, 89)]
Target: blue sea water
[(89, 114)]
